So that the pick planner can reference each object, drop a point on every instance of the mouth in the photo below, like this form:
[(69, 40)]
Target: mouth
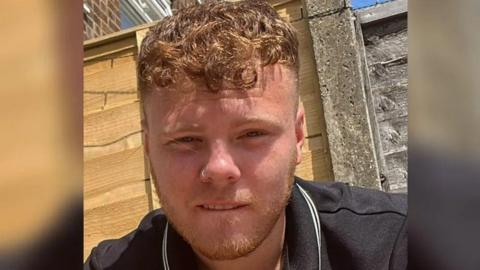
[(221, 207)]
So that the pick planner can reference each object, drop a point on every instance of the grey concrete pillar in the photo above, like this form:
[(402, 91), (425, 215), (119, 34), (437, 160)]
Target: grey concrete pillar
[(338, 60)]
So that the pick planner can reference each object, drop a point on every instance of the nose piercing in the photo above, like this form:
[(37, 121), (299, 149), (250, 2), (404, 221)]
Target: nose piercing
[(203, 174)]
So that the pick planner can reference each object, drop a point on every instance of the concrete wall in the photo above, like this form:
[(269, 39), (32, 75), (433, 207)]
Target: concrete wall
[(363, 84), (346, 103)]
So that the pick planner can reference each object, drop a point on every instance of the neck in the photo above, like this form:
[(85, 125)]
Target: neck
[(266, 256)]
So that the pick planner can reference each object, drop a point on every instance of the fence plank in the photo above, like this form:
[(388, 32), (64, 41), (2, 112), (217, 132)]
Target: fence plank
[(314, 121), (95, 66), (116, 194), (140, 35), (314, 166), (276, 3), (120, 78), (108, 172), (112, 220), (107, 49), (93, 102), (109, 126), (290, 11), (135, 140)]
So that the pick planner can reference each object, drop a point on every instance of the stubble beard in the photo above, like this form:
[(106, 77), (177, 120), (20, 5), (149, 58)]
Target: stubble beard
[(229, 248)]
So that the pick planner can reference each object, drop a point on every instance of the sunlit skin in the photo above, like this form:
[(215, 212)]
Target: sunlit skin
[(247, 144)]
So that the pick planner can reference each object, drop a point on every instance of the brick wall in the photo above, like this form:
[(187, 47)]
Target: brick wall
[(103, 18)]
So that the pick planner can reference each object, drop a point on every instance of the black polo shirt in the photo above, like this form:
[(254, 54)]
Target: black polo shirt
[(354, 228)]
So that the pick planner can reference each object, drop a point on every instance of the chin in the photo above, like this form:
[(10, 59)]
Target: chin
[(223, 238), (230, 238), (227, 248)]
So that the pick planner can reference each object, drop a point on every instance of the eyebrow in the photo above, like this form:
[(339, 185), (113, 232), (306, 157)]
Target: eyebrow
[(264, 119), (180, 127)]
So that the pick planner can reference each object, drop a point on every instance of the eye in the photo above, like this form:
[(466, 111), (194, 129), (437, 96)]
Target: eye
[(254, 133), (185, 140)]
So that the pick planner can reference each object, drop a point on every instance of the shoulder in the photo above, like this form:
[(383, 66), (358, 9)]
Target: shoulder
[(125, 252), (367, 226), (331, 197)]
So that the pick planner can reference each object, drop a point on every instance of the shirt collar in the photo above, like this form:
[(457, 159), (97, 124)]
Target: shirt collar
[(302, 235)]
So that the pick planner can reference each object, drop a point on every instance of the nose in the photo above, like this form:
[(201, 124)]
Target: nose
[(220, 165)]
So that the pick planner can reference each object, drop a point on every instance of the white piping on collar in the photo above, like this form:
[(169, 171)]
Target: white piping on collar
[(316, 222), (313, 212), (164, 249)]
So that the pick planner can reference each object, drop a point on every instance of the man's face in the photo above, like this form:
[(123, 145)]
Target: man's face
[(223, 163)]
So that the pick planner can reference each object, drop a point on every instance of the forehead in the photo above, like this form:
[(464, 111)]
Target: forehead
[(275, 89)]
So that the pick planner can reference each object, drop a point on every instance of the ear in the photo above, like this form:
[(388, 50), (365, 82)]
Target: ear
[(145, 136), (299, 134)]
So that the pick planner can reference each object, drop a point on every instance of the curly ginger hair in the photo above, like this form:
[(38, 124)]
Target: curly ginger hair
[(218, 44)]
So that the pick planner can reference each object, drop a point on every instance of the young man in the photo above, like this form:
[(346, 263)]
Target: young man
[(223, 133)]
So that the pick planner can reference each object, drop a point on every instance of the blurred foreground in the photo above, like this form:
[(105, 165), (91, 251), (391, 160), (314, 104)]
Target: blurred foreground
[(444, 134), (40, 142)]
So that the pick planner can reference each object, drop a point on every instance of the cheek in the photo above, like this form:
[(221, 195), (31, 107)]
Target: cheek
[(174, 172), (276, 164), (174, 183)]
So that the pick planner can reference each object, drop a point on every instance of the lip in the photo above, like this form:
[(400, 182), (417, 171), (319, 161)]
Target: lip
[(221, 206)]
